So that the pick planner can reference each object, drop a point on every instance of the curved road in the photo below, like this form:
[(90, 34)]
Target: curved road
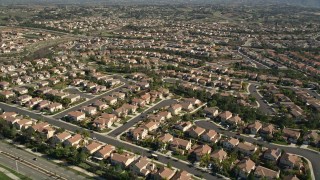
[(264, 107), (313, 157)]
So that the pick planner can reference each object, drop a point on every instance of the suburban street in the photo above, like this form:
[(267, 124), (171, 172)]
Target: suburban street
[(258, 64), (111, 140), (86, 103), (74, 90), (140, 117), (264, 107), (41, 162), (313, 157)]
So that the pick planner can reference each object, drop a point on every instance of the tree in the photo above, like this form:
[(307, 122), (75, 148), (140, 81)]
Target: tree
[(2, 98), (169, 165)]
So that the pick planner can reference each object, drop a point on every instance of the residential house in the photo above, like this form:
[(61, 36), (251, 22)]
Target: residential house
[(54, 107), (196, 131), (124, 159), (76, 115), (165, 139), (183, 126), (23, 124), (146, 98), (187, 106), (89, 110), (265, 173), (110, 100), (311, 138), (60, 138), (254, 127), (245, 167), (272, 154), (33, 102), (138, 133), (234, 121), (102, 123), (246, 148), (121, 112), (23, 99), (105, 152), (210, 136), (180, 144), (193, 101), (73, 98), (231, 143), (224, 116), (175, 109), (100, 105), (291, 161), (7, 94), (164, 173), (200, 150), (41, 105), (74, 141), (211, 112), (142, 167), (182, 175), (267, 130), (4, 85), (291, 135), (130, 108), (165, 114), (10, 119), (151, 126), (93, 147), (219, 155)]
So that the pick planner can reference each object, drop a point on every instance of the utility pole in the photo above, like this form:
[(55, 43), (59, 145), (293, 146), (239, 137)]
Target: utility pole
[(17, 166)]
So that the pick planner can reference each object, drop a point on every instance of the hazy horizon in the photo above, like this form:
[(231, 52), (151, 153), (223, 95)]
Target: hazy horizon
[(306, 3)]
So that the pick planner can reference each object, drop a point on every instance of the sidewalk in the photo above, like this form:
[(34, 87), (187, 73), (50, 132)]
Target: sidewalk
[(9, 174)]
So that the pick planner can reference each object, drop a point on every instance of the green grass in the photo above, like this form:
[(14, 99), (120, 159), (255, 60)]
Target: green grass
[(314, 148), (31, 36), (2, 176), (280, 142), (182, 157), (60, 86)]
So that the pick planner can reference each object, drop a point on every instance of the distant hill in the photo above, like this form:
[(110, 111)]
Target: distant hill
[(308, 3)]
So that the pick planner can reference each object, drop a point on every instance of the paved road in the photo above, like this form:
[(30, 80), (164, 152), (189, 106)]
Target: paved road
[(258, 64), (313, 157), (264, 107), (41, 162), (142, 116), (22, 169), (313, 93), (74, 90), (77, 107), (110, 140)]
